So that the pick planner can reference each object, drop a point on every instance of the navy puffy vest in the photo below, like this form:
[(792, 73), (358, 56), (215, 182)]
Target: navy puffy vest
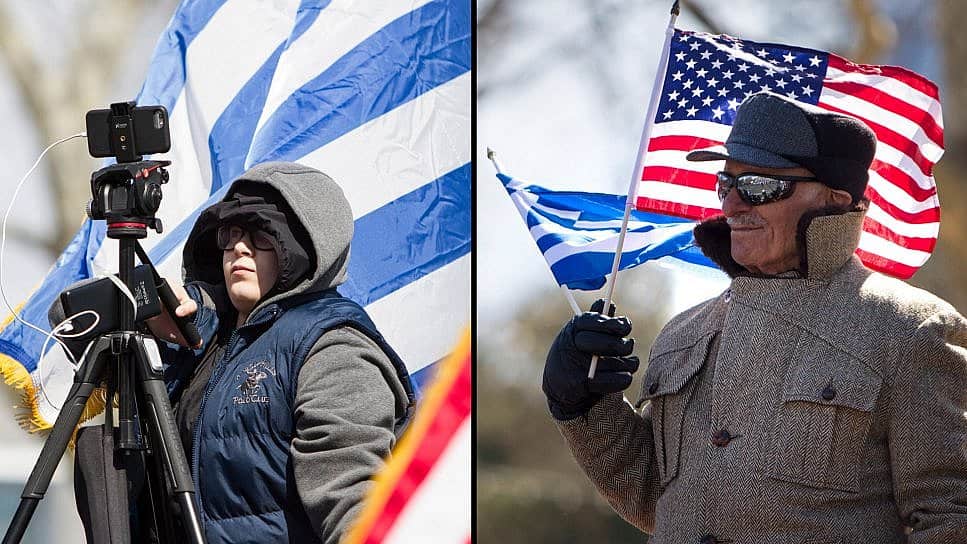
[(245, 489)]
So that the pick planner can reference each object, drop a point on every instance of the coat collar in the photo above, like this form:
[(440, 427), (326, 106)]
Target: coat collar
[(826, 239)]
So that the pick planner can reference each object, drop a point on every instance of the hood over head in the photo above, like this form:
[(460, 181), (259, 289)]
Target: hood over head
[(305, 212)]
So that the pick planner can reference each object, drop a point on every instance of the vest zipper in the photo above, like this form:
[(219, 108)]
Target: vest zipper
[(216, 375), (195, 443)]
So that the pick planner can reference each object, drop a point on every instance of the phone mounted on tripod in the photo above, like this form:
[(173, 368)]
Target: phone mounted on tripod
[(126, 195)]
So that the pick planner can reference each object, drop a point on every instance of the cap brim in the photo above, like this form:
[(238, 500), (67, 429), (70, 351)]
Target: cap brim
[(741, 153)]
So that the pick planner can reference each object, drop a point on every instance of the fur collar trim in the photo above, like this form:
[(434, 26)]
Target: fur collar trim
[(826, 239)]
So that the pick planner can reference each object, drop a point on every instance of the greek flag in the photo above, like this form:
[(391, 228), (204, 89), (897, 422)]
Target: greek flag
[(578, 233), (376, 94)]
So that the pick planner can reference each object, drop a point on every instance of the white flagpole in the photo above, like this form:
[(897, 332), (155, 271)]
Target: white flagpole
[(656, 90), (570, 300), (492, 155)]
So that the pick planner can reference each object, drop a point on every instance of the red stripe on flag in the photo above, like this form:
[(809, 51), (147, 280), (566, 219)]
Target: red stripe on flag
[(887, 101), (909, 242), (931, 215), (888, 136), (903, 180), (884, 265), (680, 143), (909, 77), (452, 413), (681, 177), (676, 209)]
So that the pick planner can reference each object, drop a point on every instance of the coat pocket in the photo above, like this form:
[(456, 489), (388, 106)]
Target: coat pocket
[(668, 384), (826, 411)]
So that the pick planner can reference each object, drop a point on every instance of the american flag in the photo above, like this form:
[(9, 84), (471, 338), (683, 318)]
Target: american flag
[(424, 492), (708, 76)]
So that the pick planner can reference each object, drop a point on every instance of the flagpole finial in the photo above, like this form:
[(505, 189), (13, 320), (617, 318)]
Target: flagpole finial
[(675, 10), (492, 155)]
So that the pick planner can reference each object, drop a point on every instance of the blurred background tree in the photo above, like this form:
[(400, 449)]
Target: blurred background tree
[(57, 61), (594, 61)]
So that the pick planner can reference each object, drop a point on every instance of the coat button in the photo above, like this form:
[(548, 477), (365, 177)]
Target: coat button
[(829, 393), (653, 388), (721, 438)]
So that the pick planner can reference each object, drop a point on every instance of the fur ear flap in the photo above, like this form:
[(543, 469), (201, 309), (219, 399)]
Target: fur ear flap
[(714, 237)]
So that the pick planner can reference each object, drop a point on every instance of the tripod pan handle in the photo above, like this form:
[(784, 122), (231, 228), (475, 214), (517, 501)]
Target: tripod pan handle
[(187, 328)]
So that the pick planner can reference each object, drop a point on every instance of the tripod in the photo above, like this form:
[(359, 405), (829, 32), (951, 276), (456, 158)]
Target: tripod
[(128, 362)]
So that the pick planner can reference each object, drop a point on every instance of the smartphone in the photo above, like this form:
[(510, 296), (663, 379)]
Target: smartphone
[(149, 126)]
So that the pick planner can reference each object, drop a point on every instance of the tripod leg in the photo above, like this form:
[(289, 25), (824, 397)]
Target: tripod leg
[(165, 440), (85, 381)]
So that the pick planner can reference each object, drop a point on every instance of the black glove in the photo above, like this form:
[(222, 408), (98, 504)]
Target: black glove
[(569, 392)]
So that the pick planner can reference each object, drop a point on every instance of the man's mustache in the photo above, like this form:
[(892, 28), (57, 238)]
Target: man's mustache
[(745, 220)]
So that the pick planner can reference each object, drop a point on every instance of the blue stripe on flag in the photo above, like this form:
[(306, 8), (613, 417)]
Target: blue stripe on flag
[(424, 376), (306, 15), (166, 78), (588, 269), (574, 221), (408, 57), (694, 255), (410, 237), (232, 133), (18, 341)]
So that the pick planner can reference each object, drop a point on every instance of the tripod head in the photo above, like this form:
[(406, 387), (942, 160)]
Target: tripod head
[(127, 195)]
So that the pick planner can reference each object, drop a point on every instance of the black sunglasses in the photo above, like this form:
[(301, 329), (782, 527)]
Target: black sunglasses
[(228, 235), (757, 189)]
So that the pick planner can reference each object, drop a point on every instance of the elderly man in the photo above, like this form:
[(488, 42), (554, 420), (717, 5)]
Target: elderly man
[(814, 401)]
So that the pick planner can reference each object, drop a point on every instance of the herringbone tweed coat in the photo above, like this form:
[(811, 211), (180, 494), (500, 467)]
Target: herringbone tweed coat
[(830, 408)]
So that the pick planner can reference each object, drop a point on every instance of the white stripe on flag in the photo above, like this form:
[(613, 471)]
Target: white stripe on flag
[(890, 155), (526, 201), (340, 27), (697, 128), (676, 159), (894, 121), (190, 172), (609, 244), (237, 41), (600, 230), (679, 193), (439, 509), (915, 230), (402, 150), (894, 87), (900, 198), (439, 302), (879, 246)]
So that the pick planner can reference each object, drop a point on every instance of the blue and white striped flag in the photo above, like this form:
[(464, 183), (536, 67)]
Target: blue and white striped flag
[(374, 93), (578, 233)]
